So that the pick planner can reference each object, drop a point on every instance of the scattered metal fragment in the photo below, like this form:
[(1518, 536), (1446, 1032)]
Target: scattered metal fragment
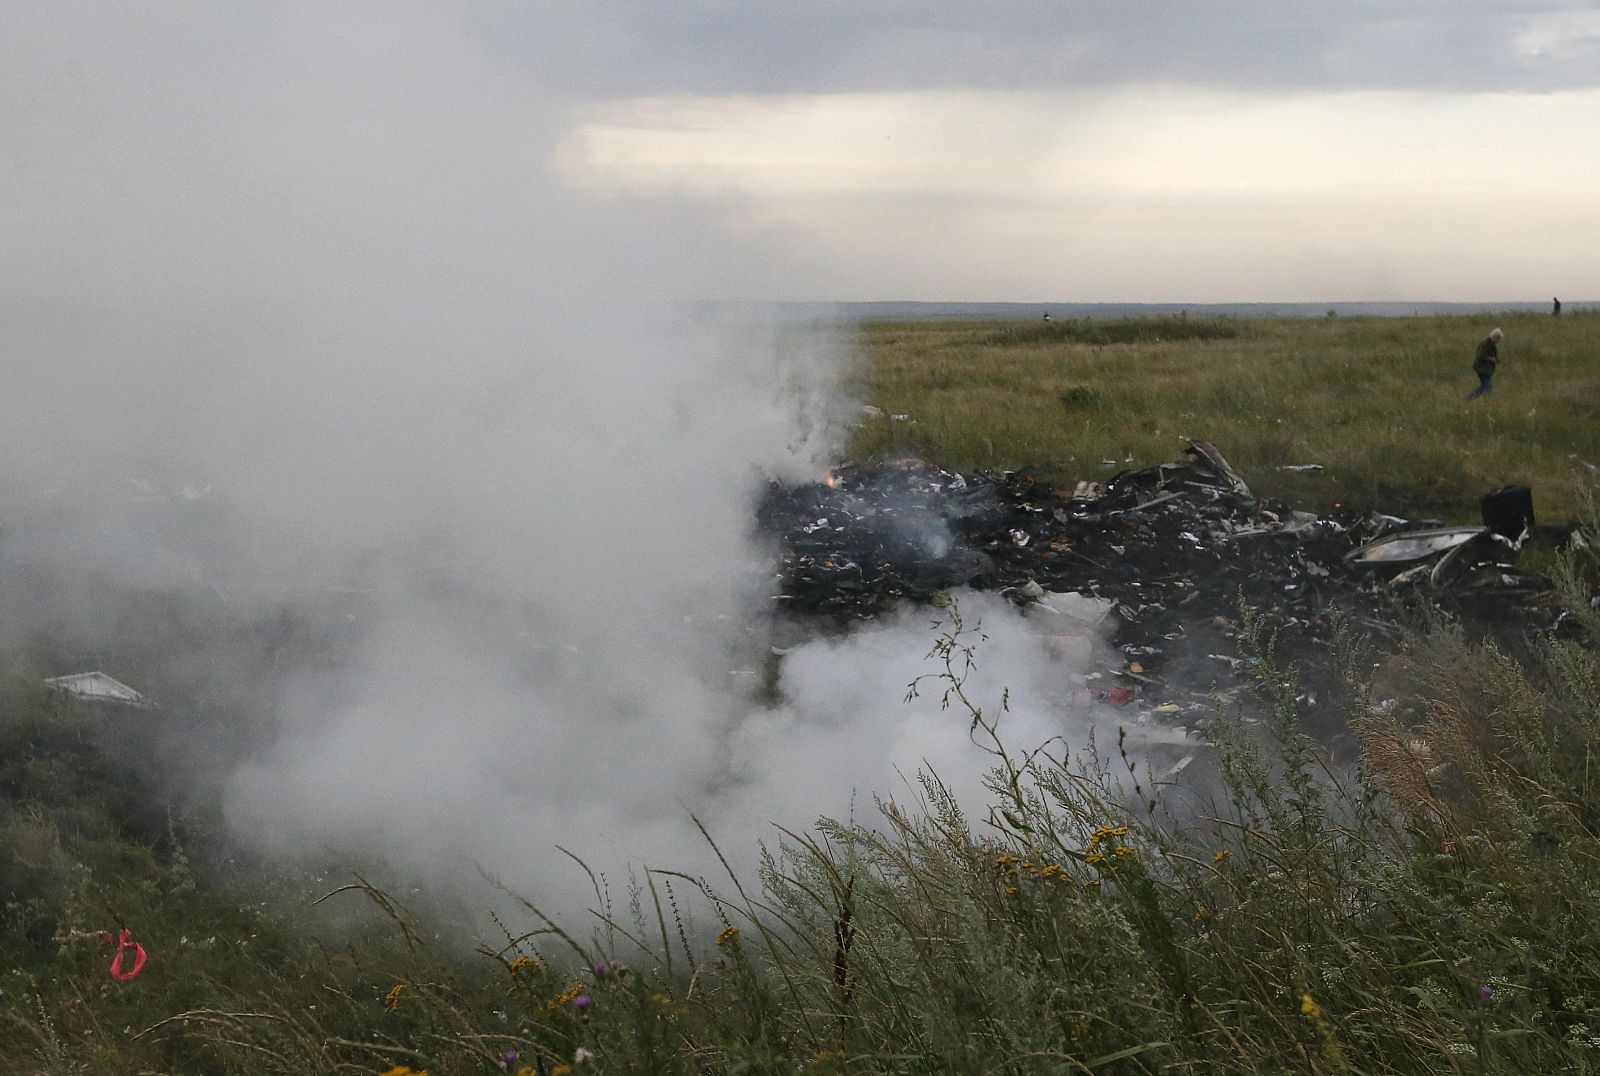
[(1410, 546), (97, 687)]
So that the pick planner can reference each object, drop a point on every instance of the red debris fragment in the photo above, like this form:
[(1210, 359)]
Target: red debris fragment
[(125, 942)]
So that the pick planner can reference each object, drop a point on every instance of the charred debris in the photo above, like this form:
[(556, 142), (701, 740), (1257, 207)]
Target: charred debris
[(1158, 562)]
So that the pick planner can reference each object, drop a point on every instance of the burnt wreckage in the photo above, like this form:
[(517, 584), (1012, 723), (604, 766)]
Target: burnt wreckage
[(1173, 552)]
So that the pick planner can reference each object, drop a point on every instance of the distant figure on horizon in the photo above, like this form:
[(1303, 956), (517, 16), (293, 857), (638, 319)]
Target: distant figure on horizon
[(1047, 315), (1484, 363), (1555, 311)]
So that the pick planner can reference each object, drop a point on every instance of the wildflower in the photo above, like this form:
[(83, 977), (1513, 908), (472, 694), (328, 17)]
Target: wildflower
[(561, 1070), (1486, 992), (729, 936), (404, 1070), (391, 1000), (1309, 1007), (1124, 852), (1094, 857), (600, 969), (526, 1070), (582, 1002), (1222, 857), (1202, 913), (1011, 890), (1106, 833), (524, 962), (508, 1058), (580, 1055), (1051, 871), (1005, 861), (566, 997)]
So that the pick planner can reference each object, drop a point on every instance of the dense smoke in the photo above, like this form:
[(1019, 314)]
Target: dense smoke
[(307, 276)]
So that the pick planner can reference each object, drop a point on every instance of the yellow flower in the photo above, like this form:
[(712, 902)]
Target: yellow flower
[(1222, 856), (729, 936), (1105, 835), (404, 1070), (1005, 861), (1309, 1007), (1124, 852), (527, 1070), (1094, 857), (1080, 1030), (391, 1000), (1011, 890), (1051, 871), (565, 998), (561, 1070), (524, 962)]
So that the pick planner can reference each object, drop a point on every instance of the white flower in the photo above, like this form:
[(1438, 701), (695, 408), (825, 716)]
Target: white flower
[(581, 1055)]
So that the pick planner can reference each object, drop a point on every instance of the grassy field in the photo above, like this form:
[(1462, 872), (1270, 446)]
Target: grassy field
[(1434, 909), (1377, 401)]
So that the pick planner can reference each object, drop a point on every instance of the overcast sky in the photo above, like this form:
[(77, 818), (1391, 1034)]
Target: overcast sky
[(1163, 151)]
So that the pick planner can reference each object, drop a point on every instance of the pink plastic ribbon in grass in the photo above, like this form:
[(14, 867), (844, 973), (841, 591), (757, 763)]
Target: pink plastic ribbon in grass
[(125, 943)]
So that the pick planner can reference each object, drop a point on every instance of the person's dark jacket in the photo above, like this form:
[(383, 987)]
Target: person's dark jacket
[(1487, 358)]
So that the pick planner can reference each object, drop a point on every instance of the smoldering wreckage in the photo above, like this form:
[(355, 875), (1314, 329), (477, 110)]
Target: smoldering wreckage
[(1136, 583), (1144, 576)]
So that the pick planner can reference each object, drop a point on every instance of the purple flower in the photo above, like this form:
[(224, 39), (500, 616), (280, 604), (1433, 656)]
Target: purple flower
[(601, 968), (1486, 992), (582, 1002), (508, 1058)]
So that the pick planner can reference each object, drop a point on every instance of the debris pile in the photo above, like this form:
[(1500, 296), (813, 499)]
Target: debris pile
[(1170, 551)]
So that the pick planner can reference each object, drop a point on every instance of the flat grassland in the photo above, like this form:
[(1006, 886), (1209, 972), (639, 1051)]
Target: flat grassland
[(1379, 402)]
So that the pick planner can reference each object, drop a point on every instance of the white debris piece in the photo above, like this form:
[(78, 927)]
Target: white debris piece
[(98, 687), (1082, 608)]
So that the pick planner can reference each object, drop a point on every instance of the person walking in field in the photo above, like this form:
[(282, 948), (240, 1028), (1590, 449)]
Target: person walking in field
[(1484, 363)]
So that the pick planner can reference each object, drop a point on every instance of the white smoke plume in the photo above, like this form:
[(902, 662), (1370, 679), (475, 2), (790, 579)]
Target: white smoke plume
[(311, 268)]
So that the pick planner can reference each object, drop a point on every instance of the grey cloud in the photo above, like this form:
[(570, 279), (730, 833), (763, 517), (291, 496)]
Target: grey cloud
[(648, 49)]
